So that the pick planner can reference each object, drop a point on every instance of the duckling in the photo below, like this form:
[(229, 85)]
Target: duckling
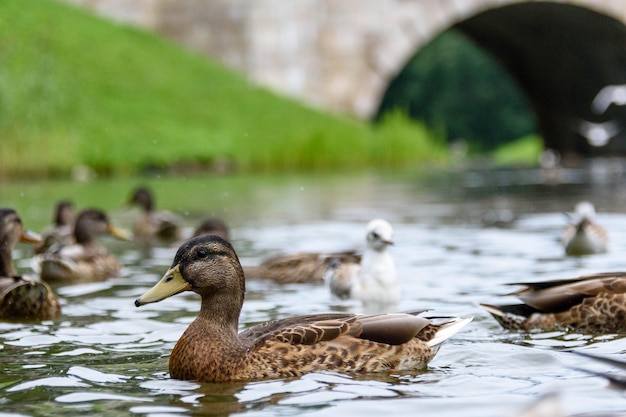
[(21, 297), (85, 260), (373, 280), (584, 236), (60, 233), (590, 304), (153, 225), (212, 350)]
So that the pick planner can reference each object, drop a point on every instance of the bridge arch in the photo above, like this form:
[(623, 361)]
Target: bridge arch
[(561, 56)]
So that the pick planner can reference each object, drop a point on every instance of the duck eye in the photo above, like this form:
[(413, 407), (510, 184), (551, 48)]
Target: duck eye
[(375, 235), (203, 253)]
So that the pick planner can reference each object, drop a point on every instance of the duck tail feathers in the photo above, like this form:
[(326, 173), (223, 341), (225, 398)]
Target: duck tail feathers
[(448, 330)]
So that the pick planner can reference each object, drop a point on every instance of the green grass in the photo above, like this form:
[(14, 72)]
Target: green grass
[(76, 90), (524, 151)]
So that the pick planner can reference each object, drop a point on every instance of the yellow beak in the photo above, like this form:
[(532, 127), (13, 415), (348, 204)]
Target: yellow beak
[(171, 284), (119, 233), (30, 237)]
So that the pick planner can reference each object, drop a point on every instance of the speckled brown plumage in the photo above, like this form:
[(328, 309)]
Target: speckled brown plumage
[(21, 297), (589, 304), (211, 349), (28, 299), (299, 267), (86, 260)]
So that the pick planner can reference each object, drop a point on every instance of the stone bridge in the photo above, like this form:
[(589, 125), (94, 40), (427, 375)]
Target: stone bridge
[(341, 55)]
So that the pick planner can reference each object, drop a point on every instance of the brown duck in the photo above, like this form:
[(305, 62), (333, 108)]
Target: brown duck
[(212, 350), (60, 233), (21, 297), (299, 267), (86, 260), (590, 304), (153, 225)]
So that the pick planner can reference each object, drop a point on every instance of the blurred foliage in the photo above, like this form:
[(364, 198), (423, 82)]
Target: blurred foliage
[(458, 89), (523, 151)]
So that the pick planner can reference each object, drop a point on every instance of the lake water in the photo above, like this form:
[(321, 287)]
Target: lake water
[(459, 238)]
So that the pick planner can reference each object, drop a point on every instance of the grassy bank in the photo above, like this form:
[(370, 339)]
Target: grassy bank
[(79, 91)]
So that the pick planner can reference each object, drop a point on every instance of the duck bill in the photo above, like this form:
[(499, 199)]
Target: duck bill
[(118, 233), (30, 237), (171, 284)]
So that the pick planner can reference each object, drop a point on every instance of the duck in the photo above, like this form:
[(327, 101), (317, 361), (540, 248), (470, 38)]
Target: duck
[(299, 267), (212, 226), (60, 232), (152, 225), (21, 297), (593, 303), (212, 350), (373, 279), (584, 236), (85, 260)]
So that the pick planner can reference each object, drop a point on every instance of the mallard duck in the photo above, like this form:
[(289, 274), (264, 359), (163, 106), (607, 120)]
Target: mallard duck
[(21, 297), (60, 233), (212, 350), (212, 226), (584, 236), (86, 260), (301, 267), (591, 304), (373, 280), (153, 225)]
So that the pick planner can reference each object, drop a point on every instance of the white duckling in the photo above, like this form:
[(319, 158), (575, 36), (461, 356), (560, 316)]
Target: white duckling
[(584, 236), (373, 281)]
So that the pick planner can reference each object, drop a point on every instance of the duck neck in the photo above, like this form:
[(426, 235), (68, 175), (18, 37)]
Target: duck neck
[(82, 235), (147, 204), (6, 263), (220, 313)]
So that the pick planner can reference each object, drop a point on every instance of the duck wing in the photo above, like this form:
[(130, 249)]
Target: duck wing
[(306, 330), (391, 329), (559, 295)]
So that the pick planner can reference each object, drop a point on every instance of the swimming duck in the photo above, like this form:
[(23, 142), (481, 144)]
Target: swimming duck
[(153, 225), (590, 304), (212, 226), (212, 350), (85, 260), (301, 267), (60, 233), (373, 280), (21, 297), (584, 236)]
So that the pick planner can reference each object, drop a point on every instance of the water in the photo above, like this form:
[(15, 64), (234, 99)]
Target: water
[(459, 238)]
